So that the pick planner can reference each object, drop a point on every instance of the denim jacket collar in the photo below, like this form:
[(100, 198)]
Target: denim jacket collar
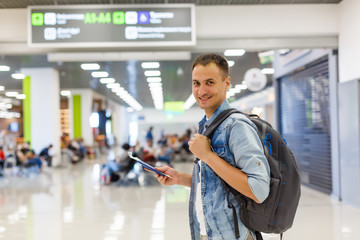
[(223, 106)]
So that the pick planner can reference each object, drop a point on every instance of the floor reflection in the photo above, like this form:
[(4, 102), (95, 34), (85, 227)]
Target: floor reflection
[(70, 203)]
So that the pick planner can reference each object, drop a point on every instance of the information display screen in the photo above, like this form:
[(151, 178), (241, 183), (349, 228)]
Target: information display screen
[(111, 26)]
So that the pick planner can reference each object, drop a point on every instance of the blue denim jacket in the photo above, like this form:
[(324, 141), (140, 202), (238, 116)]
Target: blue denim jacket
[(236, 141)]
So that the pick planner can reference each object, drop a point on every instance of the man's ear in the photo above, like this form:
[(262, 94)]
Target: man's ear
[(227, 82)]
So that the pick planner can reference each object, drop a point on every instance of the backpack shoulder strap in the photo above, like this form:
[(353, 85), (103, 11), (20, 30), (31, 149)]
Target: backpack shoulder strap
[(209, 132)]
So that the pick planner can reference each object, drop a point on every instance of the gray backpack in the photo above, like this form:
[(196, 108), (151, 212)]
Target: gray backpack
[(276, 214)]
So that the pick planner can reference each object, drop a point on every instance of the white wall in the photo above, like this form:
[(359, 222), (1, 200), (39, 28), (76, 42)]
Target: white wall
[(267, 21), (13, 25), (349, 40)]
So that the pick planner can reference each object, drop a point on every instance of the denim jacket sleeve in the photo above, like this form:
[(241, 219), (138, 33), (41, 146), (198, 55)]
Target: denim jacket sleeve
[(248, 152)]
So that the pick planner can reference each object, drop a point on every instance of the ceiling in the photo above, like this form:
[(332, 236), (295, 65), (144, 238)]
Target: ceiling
[(176, 75), (25, 3)]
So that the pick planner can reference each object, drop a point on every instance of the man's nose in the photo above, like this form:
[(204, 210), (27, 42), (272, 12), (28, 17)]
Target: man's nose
[(202, 90)]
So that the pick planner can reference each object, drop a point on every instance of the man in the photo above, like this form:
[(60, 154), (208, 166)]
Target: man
[(46, 155), (234, 154), (121, 164)]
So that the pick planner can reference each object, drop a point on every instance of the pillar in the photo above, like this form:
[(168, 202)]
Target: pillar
[(80, 106), (41, 109)]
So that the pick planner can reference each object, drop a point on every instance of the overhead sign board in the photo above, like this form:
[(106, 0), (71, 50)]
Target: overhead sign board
[(111, 26)]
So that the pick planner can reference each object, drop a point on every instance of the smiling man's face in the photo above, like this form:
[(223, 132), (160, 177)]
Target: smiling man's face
[(209, 87)]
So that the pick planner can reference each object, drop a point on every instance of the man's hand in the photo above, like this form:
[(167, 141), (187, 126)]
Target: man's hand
[(199, 145), (176, 177), (166, 180)]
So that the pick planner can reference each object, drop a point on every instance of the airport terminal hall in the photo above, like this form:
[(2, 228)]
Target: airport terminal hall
[(179, 119)]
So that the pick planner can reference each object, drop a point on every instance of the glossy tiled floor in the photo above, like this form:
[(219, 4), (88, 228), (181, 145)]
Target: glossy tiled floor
[(68, 203)]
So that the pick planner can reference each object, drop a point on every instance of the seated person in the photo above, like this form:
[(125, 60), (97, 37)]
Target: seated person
[(26, 157), (121, 164), (165, 154), (149, 152), (2, 157), (46, 155), (74, 151)]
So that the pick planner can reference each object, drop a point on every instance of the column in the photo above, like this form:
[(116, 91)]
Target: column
[(80, 106), (41, 109), (120, 123), (348, 101)]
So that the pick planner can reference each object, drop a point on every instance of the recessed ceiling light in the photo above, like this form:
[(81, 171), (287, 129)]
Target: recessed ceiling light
[(18, 76), (240, 86), (113, 85), (21, 96), (107, 80), (90, 66), (2, 88), (153, 79), (100, 74), (150, 65), (65, 93), (189, 102), (268, 71), (155, 84), (234, 52), (4, 68), (153, 73), (231, 63), (11, 94)]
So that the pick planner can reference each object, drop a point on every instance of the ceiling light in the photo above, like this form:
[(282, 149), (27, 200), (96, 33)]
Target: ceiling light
[(21, 96), (113, 85), (153, 73), (234, 52), (18, 76), (65, 93), (241, 86), (231, 63), (9, 105), (90, 66), (150, 65), (155, 84), (189, 102), (284, 51), (124, 95), (100, 74), (4, 68), (2, 88), (107, 80), (153, 79), (11, 94), (268, 71)]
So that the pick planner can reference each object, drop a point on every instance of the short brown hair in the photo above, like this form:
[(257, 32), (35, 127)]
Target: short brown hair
[(217, 59)]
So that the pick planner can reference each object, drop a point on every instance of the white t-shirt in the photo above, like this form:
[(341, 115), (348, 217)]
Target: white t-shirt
[(199, 206)]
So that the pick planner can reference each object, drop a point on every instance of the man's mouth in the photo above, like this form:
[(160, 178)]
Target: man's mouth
[(204, 98)]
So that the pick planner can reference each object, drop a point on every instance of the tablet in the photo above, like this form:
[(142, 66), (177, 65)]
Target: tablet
[(147, 166)]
